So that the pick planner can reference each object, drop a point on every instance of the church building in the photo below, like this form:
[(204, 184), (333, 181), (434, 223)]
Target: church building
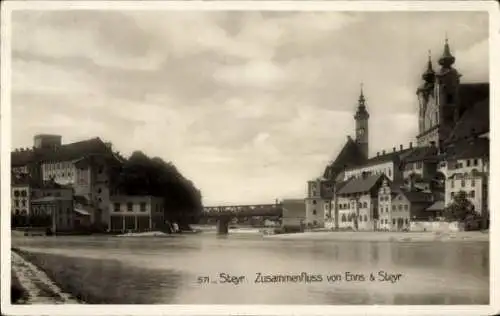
[(452, 143)]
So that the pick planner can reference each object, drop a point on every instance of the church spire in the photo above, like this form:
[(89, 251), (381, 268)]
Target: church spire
[(447, 59), (361, 101), (428, 75), (361, 111)]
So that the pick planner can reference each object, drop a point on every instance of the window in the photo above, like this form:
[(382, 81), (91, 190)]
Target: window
[(452, 195), (473, 182), (381, 209), (314, 201), (366, 218), (23, 193), (314, 212), (16, 202), (407, 221), (389, 172), (387, 209), (129, 206), (143, 207), (468, 162), (406, 207), (393, 221), (16, 193), (394, 207), (23, 202), (400, 207), (343, 218), (472, 194), (99, 190), (475, 162), (462, 183), (100, 170), (452, 181), (360, 218), (386, 221), (365, 205)]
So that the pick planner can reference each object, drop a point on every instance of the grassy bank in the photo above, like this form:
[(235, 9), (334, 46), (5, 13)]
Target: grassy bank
[(97, 281)]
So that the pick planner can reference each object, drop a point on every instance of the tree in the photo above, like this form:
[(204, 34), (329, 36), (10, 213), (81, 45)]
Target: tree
[(141, 175), (461, 209)]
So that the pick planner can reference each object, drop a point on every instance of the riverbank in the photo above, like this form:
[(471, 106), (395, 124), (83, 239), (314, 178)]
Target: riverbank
[(47, 277), (33, 285), (386, 236)]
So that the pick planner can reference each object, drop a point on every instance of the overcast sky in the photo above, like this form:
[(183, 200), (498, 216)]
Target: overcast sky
[(248, 105)]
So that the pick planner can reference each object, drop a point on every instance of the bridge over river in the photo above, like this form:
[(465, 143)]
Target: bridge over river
[(224, 214)]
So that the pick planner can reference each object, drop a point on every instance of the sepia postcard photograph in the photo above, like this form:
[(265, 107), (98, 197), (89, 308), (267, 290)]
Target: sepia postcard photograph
[(263, 158)]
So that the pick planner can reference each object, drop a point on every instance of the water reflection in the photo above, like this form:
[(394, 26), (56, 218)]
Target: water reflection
[(165, 270)]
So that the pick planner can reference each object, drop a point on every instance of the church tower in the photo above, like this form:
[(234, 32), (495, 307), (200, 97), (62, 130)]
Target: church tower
[(361, 117), (438, 100)]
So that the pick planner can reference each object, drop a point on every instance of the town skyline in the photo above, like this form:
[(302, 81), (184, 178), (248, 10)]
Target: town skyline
[(239, 113)]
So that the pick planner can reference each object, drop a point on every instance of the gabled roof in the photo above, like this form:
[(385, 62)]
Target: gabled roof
[(474, 121), (421, 154), (473, 148), (394, 156), (66, 152), (436, 206), (418, 197), (361, 184), (350, 155), (472, 93), (50, 199)]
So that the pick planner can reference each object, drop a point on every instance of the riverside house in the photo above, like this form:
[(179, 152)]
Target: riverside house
[(135, 213)]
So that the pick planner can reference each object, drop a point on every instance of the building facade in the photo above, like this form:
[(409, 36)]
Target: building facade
[(58, 212), (135, 213), (86, 166)]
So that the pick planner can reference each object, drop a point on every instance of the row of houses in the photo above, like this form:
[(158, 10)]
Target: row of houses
[(70, 187), (407, 188)]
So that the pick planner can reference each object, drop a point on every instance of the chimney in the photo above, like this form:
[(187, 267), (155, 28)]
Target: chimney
[(400, 147), (411, 145), (393, 149), (383, 152)]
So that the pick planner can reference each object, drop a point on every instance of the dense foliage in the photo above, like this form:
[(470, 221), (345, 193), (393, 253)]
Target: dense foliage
[(461, 209), (142, 175)]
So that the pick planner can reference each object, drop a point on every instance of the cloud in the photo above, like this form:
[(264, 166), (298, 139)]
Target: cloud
[(249, 105)]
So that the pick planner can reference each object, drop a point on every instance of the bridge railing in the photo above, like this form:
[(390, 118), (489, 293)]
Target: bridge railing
[(239, 208)]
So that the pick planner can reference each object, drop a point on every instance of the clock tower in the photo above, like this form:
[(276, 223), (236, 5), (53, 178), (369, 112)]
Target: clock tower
[(361, 117)]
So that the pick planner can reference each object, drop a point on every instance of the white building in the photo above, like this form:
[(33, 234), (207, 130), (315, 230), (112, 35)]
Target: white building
[(357, 202), (136, 213)]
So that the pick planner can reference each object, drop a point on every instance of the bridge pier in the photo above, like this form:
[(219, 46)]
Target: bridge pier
[(223, 226)]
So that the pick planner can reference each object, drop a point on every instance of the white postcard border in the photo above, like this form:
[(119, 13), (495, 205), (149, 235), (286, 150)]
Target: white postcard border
[(494, 66)]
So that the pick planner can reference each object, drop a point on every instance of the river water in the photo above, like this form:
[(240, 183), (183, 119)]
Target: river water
[(187, 270)]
